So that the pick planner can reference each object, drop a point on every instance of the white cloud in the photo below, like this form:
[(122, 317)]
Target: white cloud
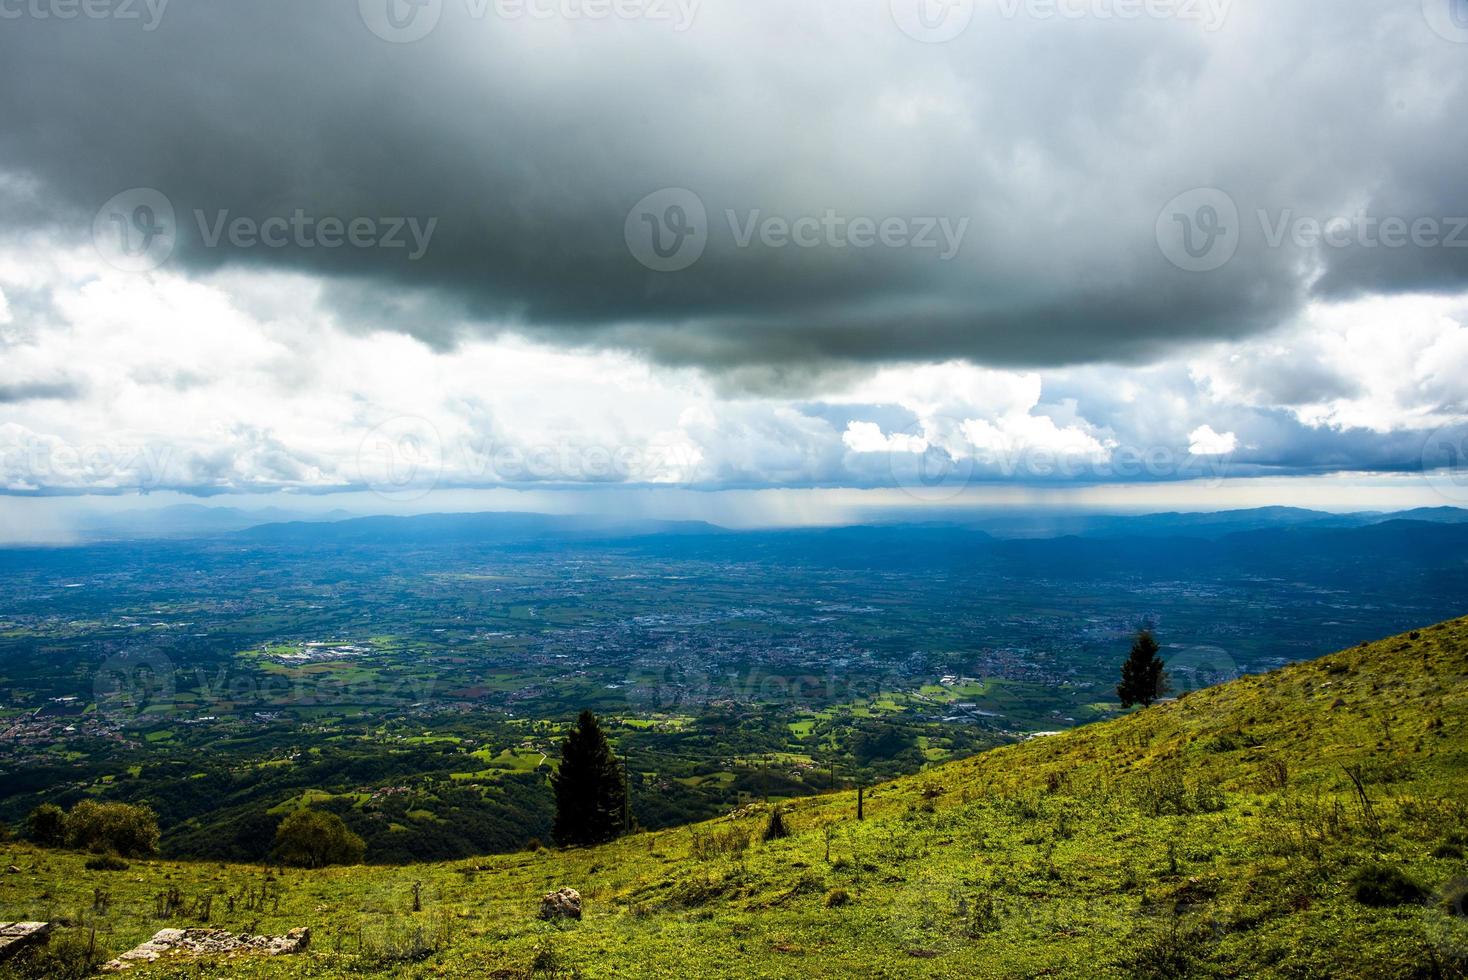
[(1203, 441), (248, 382), (1379, 364), (867, 437)]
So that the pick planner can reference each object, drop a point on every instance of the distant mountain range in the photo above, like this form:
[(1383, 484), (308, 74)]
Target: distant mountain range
[(1206, 525), (1333, 551), (190, 521), (512, 527), (278, 525), (485, 528)]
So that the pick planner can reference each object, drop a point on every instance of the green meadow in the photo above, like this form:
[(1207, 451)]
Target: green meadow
[(1310, 822)]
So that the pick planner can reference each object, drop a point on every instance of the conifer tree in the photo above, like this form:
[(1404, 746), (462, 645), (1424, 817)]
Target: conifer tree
[(590, 791), (1142, 680)]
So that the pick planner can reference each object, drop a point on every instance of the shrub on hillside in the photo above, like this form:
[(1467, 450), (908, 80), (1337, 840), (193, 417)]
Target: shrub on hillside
[(775, 828), (67, 955), (106, 862), (731, 840), (1382, 886), (116, 828), (1165, 792), (312, 839), (46, 825)]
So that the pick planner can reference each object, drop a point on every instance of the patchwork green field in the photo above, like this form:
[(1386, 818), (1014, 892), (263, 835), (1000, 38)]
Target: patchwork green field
[(1309, 822)]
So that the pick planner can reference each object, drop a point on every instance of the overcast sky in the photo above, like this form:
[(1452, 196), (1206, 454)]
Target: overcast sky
[(923, 246)]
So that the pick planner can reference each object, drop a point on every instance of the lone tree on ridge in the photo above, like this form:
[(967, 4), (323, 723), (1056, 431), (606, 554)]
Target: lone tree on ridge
[(1142, 679)]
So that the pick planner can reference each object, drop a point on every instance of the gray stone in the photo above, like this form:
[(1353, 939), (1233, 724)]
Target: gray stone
[(564, 904), (16, 936), (210, 942)]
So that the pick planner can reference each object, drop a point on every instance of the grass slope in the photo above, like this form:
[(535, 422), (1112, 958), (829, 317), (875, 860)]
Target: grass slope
[(1219, 835)]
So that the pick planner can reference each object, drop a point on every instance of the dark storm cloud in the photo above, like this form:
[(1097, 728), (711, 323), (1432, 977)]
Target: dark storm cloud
[(528, 142)]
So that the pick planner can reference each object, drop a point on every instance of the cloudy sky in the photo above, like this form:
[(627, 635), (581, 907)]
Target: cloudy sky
[(923, 248)]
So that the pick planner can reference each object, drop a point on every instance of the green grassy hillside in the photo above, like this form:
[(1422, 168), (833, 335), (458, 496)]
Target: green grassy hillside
[(1219, 835)]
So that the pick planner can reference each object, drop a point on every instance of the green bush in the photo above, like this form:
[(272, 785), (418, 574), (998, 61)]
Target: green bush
[(46, 825), (1167, 951), (117, 828), (312, 839), (1382, 886), (732, 840), (837, 897), (106, 862), (775, 828), (68, 955)]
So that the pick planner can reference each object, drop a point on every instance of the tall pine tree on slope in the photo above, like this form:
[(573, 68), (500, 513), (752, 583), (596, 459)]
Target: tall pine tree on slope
[(1142, 680), (590, 792)]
